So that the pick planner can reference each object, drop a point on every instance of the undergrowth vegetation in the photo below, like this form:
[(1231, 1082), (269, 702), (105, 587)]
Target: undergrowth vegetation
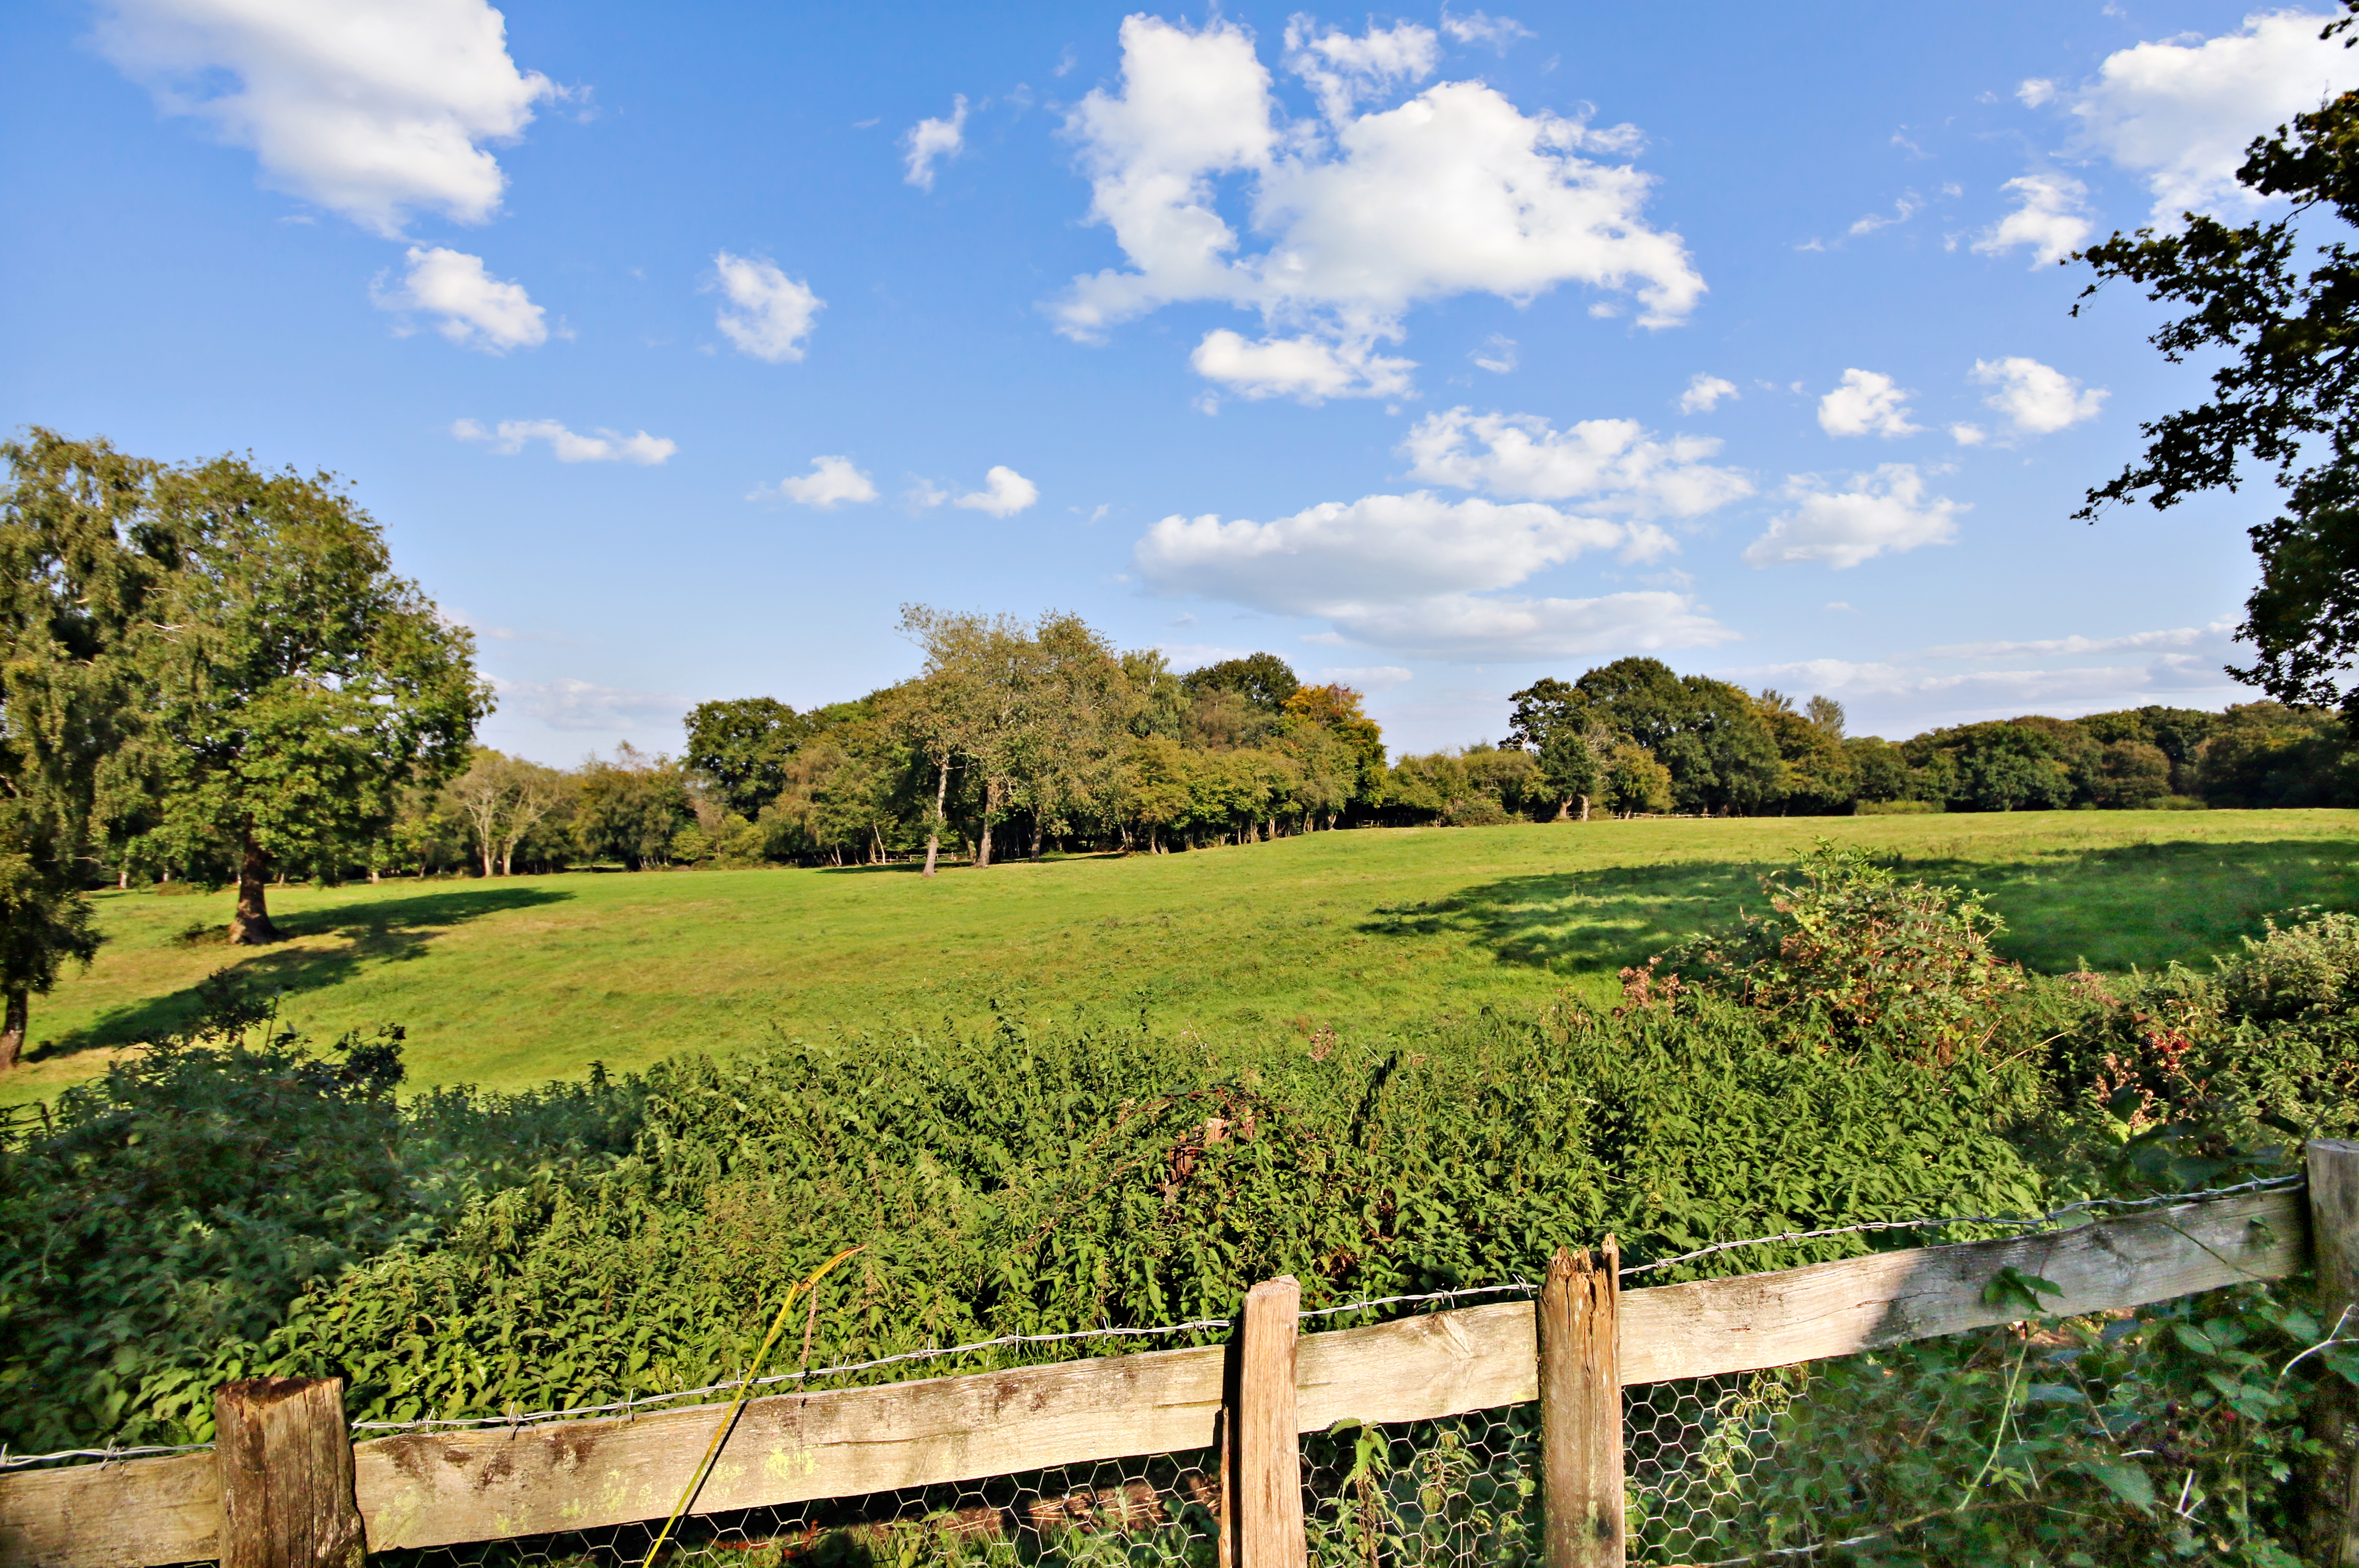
[(234, 1203)]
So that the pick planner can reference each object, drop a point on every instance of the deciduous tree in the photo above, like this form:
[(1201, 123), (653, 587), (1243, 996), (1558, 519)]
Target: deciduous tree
[(82, 551), (296, 683)]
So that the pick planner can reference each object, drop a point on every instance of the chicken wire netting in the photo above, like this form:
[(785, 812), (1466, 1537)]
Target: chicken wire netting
[(1711, 1478)]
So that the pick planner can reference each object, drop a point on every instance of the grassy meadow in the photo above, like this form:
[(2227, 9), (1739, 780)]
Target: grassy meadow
[(515, 981)]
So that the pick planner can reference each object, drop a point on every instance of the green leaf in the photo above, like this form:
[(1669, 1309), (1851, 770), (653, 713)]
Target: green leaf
[(2128, 1482)]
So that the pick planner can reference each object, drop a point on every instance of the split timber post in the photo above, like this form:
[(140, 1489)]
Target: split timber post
[(1580, 1410), (286, 1463), (2331, 1521), (1265, 1494)]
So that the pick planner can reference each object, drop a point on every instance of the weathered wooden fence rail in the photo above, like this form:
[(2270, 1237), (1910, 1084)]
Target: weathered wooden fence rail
[(443, 1487)]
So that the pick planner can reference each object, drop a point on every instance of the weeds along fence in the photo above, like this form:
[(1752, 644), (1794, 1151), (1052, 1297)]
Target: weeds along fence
[(1593, 1426)]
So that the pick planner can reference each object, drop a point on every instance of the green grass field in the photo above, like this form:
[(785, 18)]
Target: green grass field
[(515, 981)]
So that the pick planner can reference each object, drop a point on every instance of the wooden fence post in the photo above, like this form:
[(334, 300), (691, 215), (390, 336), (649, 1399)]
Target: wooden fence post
[(2332, 1517), (286, 1463), (1580, 1410), (1267, 1477)]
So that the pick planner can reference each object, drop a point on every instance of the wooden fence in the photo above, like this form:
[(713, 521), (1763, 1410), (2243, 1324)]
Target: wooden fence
[(285, 1486)]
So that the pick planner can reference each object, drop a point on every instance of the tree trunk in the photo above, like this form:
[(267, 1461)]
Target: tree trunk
[(989, 809), (507, 861), (934, 828), (1036, 838), (250, 926), (12, 1032), (1584, 808), (488, 862)]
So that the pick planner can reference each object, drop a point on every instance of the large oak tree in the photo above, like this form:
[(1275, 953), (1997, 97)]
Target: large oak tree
[(295, 686)]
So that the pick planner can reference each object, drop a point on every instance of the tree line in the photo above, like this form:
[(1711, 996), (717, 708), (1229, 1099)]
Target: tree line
[(1021, 738)]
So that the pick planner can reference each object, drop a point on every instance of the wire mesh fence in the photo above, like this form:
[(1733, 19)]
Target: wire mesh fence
[(1136, 1513)]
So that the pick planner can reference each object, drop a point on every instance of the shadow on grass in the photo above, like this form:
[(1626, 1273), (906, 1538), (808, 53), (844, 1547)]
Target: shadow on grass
[(391, 930), (2134, 905)]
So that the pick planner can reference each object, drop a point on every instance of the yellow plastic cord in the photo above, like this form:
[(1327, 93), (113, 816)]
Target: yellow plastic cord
[(728, 1422)]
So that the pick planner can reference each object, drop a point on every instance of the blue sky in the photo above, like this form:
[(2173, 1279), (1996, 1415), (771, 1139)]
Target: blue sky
[(1432, 350)]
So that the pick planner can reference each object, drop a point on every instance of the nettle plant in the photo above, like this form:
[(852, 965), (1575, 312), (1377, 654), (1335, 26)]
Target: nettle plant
[(1850, 955)]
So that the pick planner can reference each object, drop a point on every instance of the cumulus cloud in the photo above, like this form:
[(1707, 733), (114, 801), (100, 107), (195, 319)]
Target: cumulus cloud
[(1475, 27), (1866, 403), (1366, 677), (371, 108), (1704, 394), (1498, 356), (1615, 465), (509, 436), (1881, 513), (1005, 492), (1366, 212), (569, 704), (2179, 112), (2050, 215), (769, 315), (1308, 369), (2037, 399), (832, 482), (932, 139), (1964, 682), (2169, 637), (478, 311), (1418, 573)]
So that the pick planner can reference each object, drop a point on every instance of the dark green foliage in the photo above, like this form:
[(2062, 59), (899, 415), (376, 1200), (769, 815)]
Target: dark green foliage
[(631, 809), (2003, 766), (743, 746), (178, 1205), (1262, 680), (1851, 956), (2264, 754)]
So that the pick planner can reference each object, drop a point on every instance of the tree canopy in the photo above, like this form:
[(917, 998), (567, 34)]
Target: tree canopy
[(297, 684), (2284, 313)]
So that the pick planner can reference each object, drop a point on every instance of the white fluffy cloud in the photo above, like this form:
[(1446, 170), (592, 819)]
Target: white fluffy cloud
[(931, 139), (1367, 678), (1867, 403), (1418, 573), (1365, 212), (2169, 637), (508, 437), (1964, 682), (1475, 27), (2037, 399), (832, 482), (569, 704), (1005, 492), (1704, 394), (369, 107), (1614, 464), (2179, 112), (769, 315), (1308, 369), (2051, 216), (478, 311), (1881, 513)]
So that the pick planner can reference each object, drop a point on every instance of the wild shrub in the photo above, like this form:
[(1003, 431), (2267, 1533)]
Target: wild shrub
[(2263, 1046), (160, 1226), (1038, 1181), (1850, 956)]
